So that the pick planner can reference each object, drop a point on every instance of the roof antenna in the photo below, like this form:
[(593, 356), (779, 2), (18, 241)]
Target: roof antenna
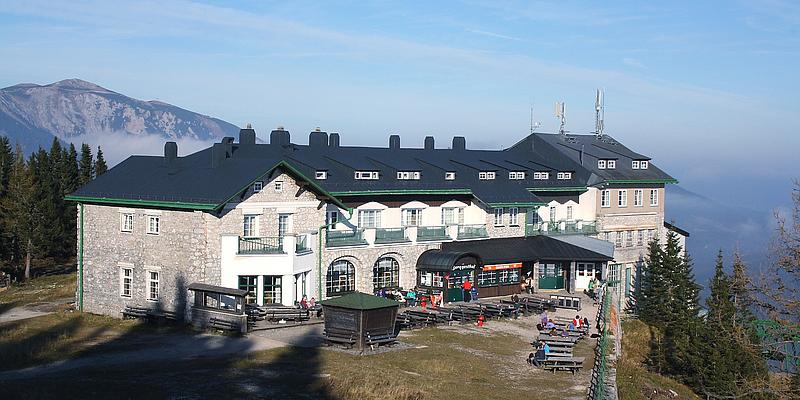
[(561, 114), (599, 114), (534, 125)]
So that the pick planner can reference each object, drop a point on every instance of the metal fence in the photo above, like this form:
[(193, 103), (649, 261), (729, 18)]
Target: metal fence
[(597, 386)]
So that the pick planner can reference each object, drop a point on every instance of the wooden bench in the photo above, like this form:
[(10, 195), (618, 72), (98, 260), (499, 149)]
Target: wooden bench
[(377, 338), (223, 325), (572, 364), (556, 339), (343, 336), (286, 313), (135, 312)]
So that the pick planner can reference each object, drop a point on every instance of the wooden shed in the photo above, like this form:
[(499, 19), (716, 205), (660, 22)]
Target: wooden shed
[(360, 319)]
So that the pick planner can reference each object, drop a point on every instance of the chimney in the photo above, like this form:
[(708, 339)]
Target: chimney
[(247, 135), (318, 138), (333, 140), (428, 142), (227, 143), (459, 143), (217, 154), (170, 152), (279, 137), (394, 141)]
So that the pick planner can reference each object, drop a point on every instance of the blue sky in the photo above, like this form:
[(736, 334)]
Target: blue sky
[(708, 89)]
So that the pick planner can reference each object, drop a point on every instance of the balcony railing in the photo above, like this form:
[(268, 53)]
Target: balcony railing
[(471, 231), (345, 238), (301, 244), (260, 245), (562, 228), (432, 233), (534, 229), (390, 235)]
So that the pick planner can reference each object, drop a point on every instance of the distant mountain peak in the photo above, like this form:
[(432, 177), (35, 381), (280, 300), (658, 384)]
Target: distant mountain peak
[(78, 84)]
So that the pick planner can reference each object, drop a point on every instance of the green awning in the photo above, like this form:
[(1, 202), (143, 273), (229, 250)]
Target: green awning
[(359, 301)]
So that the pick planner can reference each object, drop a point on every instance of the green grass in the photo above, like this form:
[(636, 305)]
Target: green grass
[(634, 380), (44, 289)]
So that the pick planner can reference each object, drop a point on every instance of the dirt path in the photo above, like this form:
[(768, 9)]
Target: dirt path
[(33, 310)]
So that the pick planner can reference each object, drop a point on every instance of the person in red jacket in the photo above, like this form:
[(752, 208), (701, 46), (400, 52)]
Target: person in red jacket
[(465, 289)]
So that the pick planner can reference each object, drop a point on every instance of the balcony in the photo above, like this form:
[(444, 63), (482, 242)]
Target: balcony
[(390, 235), (562, 228), (345, 238), (432, 233), (301, 245), (260, 245), (472, 231)]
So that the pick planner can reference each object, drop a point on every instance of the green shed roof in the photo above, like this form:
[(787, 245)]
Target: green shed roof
[(360, 301)]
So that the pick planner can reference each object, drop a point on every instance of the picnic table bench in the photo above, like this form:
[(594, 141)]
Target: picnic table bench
[(223, 325), (572, 364), (135, 312), (559, 339), (380, 337), (342, 336), (286, 313)]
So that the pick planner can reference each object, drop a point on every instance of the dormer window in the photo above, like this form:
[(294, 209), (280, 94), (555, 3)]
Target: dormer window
[(635, 164), (449, 176), (643, 164), (516, 175), (408, 175), (564, 175), (321, 175), (611, 164), (257, 186), (366, 175), (486, 175), (601, 164), (541, 175)]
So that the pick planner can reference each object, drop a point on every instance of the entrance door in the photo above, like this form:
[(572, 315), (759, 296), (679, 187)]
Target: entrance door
[(584, 272), (551, 276)]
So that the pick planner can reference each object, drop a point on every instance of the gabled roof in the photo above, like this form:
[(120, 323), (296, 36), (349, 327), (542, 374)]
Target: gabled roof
[(359, 301)]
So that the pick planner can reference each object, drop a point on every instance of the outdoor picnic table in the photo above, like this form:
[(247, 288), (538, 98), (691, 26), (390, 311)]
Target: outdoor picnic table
[(572, 364), (562, 339)]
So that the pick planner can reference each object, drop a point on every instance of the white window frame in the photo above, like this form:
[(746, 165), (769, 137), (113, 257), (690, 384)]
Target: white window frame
[(332, 219), (258, 186), (635, 164), (123, 222), (366, 175), (150, 219), (638, 197), (628, 238), (456, 214), (605, 198), (406, 216), (643, 164), (553, 214), (569, 213), (253, 225), (498, 216), (611, 164), (321, 175), (278, 186), (486, 175), (149, 287), (564, 175), (375, 219), (622, 198), (513, 216), (516, 175), (449, 176), (408, 175), (601, 164), (123, 279), (618, 239), (541, 175), (653, 197)]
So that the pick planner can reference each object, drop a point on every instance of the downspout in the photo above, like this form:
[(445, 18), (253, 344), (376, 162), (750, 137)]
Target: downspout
[(80, 258), (322, 228)]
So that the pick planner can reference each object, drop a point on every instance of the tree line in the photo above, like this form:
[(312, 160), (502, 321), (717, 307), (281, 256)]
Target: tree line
[(716, 350), (35, 220)]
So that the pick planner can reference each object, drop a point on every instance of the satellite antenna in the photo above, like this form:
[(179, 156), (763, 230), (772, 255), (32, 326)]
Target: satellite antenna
[(534, 125), (599, 114), (561, 114)]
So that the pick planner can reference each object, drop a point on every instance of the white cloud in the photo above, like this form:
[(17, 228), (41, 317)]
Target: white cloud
[(117, 146)]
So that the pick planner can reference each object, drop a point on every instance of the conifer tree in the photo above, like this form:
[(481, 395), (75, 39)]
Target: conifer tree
[(70, 177), (20, 212), (100, 166), (651, 299), (86, 165), (6, 161)]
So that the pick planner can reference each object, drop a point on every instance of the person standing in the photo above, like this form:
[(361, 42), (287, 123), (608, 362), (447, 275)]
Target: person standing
[(473, 293), (466, 288)]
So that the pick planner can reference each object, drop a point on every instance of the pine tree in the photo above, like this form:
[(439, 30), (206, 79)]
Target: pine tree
[(20, 212), (86, 165), (100, 166), (6, 161), (71, 176), (651, 299)]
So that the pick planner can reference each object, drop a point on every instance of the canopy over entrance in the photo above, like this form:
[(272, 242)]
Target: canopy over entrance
[(438, 260)]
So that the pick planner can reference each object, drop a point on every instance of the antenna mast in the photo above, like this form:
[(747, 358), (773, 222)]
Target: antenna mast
[(561, 114), (599, 114), (534, 125)]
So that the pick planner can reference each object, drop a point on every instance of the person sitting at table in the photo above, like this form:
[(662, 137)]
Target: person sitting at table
[(411, 297), (515, 298), (304, 303), (544, 319), (585, 323), (576, 322), (564, 333), (312, 303), (550, 325)]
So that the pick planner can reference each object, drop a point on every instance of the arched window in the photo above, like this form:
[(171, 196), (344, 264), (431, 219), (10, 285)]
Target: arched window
[(386, 273), (341, 278)]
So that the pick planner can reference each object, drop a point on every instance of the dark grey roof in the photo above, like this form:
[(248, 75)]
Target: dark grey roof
[(192, 179), (440, 260), (217, 289), (675, 229), (516, 249)]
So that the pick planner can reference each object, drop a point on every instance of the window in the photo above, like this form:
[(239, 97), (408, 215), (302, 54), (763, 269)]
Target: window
[(152, 285), (618, 240), (643, 164), (653, 197), (552, 214), (431, 279), (249, 283), (257, 186), (487, 277), (321, 175), (541, 175), (341, 278), (498, 216), (408, 175), (601, 164), (449, 176), (611, 164), (272, 289), (629, 239), (126, 223), (640, 237), (278, 186), (564, 175), (452, 216), (386, 273), (569, 213), (369, 218), (651, 234), (486, 175), (634, 164), (125, 282), (638, 194), (333, 219), (250, 226), (153, 224), (513, 213), (581, 269), (366, 175), (516, 175), (411, 216), (623, 198), (283, 224), (605, 198)]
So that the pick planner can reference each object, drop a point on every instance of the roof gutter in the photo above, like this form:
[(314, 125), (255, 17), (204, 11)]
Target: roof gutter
[(401, 192), (140, 202), (664, 181), (581, 189)]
